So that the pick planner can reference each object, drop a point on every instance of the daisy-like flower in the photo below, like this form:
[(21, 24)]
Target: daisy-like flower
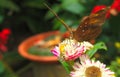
[(69, 49), (90, 68)]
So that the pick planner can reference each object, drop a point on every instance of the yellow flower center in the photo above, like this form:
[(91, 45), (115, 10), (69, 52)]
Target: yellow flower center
[(62, 48), (93, 72)]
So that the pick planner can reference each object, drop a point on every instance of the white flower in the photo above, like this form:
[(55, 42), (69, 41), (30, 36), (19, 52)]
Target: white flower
[(90, 68), (69, 49)]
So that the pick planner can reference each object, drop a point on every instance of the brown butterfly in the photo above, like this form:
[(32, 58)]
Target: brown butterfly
[(90, 26)]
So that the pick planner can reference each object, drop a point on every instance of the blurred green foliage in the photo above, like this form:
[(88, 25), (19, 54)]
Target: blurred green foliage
[(24, 12), (5, 71), (34, 15), (115, 65)]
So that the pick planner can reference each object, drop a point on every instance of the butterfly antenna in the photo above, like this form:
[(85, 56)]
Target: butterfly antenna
[(66, 26)]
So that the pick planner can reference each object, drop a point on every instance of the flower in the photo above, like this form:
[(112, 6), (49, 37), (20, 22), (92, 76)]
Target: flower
[(4, 35), (90, 68), (115, 7), (98, 8), (69, 49), (6, 31)]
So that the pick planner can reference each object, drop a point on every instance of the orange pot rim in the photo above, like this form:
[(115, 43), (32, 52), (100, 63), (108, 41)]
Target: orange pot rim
[(26, 44)]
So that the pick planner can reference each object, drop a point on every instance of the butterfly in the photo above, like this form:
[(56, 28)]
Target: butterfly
[(90, 26)]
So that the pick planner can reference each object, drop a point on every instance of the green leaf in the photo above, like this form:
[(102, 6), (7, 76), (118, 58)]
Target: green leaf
[(33, 24), (12, 57), (2, 69), (97, 46), (9, 5), (34, 4), (5, 70), (55, 8), (66, 66), (1, 18), (73, 6), (65, 2), (62, 29), (57, 24)]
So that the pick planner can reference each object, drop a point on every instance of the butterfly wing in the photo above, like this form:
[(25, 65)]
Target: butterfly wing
[(90, 26)]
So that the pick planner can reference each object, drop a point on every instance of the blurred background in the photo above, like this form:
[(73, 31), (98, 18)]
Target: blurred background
[(20, 19)]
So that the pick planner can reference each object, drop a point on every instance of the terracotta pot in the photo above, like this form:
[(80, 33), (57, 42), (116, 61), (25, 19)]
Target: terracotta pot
[(26, 44)]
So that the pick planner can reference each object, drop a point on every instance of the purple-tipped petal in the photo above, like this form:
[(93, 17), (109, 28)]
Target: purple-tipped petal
[(56, 51)]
